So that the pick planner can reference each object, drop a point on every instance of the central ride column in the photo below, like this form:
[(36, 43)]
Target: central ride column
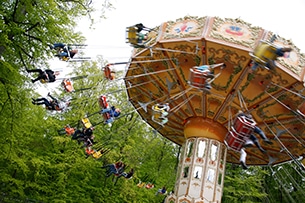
[(202, 163)]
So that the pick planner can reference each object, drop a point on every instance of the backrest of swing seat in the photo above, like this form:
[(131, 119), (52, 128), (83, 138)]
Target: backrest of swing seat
[(141, 184), (97, 154), (64, 58), (234, 140), (157, 119), (149, 186), (67, 84), (157, 114), (69, 131), (243, 125), (156, 109), (132, 32), (112, 76), (69, 88), (103, 102), (265, 51), (107, 72), (89, 151), (86, 123), (197, 79)]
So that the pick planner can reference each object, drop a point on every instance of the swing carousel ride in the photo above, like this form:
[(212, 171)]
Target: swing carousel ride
[(160, 71)]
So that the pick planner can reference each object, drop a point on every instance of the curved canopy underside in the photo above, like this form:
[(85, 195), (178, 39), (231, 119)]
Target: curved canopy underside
[(160, 73)]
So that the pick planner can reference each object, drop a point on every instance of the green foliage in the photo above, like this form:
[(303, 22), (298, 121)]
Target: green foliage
[(244, 185), (39, 164)]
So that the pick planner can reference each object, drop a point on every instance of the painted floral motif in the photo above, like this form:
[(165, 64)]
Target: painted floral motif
[(184, 27), (234, 30)]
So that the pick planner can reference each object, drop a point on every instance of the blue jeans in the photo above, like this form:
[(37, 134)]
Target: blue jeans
[(260, 132), (63, 46), (110, 120), (59, 45)]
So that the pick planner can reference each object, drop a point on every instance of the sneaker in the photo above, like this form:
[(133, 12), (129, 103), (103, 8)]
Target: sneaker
[(243, 165), (246, 145), (268, 141)]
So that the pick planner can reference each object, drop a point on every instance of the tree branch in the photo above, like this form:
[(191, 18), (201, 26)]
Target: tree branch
[(33, 37)]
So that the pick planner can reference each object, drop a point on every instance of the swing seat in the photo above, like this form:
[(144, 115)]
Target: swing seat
[(86, 123), (149, 186), (301, 109), (234, 140), (132, 35), (89, 151), (140, 185), (156, 108), (103, 102), (97, 154), (43, 81), (263, 52), (64, 58), (69, 130), (104, 105), (109, 74), (67, 84), (243, 125), (198, 79), (159, 118)]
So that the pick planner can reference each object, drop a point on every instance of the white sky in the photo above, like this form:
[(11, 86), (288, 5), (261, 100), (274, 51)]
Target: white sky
[(286, 18), (279, 16)]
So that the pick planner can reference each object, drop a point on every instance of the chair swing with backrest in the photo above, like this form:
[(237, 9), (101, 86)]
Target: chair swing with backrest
[(109, 72), (86, 122), (203, 77), (69, 130), (240, 129), (104, 105), (133, 35), (239, 133), (264, 52), (68, 85), (160, 111), (96, 152)]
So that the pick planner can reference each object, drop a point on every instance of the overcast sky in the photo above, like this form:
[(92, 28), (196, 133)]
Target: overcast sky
[(279, 16), (286, 18)]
